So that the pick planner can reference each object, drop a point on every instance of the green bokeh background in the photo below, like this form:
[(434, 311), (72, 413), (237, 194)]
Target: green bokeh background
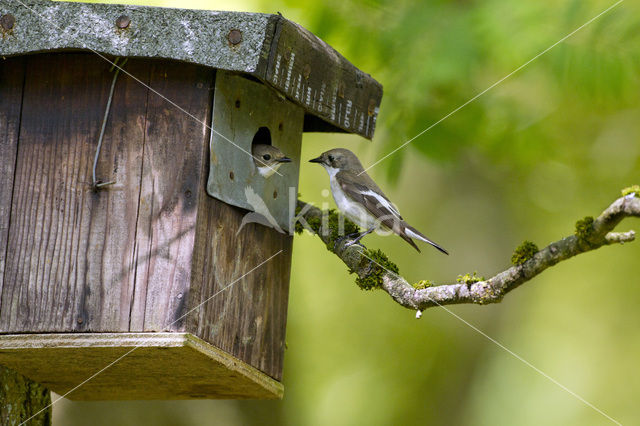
[(552, 143)]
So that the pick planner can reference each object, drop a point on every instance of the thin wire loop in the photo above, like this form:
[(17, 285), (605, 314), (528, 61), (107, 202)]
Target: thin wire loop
[(97, 184)]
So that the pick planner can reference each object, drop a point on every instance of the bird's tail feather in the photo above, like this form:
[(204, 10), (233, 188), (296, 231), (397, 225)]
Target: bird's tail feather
[(414, 233)]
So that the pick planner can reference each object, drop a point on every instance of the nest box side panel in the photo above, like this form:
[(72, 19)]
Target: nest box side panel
[(241, 269), (66, 243), (242, 296), (11, 81), (175, 138)]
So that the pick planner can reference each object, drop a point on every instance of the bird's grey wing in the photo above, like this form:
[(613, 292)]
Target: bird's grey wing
[(372, 199)]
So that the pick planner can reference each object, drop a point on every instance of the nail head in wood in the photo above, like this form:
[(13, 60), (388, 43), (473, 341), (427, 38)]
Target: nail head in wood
[(7, 22), (234, 37), (123, 22)]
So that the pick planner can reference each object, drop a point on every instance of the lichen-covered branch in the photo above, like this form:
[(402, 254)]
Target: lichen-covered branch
[(374, 270)]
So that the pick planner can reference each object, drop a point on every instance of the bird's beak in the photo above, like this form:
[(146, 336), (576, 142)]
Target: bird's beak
[(284, 160), (316, 160)]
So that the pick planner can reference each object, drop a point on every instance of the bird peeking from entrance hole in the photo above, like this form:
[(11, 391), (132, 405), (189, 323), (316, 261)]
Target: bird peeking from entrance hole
[(360, 199), (268, 158)]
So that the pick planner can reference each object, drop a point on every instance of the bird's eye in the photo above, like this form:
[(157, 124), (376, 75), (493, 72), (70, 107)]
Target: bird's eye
[(266, 157), (330, 157)]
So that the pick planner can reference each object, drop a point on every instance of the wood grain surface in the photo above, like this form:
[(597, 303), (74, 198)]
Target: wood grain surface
[(11, 82)]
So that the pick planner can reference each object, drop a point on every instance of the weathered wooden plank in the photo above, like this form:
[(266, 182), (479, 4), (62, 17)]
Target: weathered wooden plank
[(243, 316), (52, 171), (11, 82), (154, 366), (318, 78), (112, 250), (249, 318), (70, 246), (171, 181)]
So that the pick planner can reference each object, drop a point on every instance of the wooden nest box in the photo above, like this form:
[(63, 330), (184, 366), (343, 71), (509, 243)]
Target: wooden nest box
[(149, 281)]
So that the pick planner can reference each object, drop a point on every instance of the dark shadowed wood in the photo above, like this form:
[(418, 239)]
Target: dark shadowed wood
[(51, 211), (20, 398), (173, 163), (11, 82)]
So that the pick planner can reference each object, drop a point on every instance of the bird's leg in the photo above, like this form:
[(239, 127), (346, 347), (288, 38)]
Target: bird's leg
[(359, 237), (339, 240)]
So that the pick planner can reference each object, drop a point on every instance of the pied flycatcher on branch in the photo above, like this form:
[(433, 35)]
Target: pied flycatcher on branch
[(268, 158), (360, 199)]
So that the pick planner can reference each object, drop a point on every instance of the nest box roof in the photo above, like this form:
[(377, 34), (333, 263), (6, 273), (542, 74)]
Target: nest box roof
[(335, 95)]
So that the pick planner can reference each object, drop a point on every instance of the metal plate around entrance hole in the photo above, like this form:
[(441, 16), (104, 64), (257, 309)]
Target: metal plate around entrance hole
[(240, 107)]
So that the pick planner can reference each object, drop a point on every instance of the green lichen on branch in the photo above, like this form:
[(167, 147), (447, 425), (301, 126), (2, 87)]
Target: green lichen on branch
[(469, 278), (633, 189), (524, 252), (584, 229), (333, 230), (376, 264), (422, 284), (314, 222)]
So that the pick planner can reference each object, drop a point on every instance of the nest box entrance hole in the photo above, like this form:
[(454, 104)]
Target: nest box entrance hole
[(262, 137)]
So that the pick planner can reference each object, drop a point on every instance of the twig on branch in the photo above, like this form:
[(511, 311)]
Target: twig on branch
[(374, 270)]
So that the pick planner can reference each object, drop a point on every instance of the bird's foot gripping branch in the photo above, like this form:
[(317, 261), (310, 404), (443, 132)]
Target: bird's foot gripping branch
[(374, 270)]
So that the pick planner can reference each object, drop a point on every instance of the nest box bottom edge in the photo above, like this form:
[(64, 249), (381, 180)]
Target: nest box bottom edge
[(134, 366)]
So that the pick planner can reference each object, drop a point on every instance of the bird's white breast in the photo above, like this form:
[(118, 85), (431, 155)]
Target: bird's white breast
[(267, 171), (352, 210)]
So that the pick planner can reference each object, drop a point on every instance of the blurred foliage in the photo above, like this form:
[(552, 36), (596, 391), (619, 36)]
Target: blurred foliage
[(554, 142)]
